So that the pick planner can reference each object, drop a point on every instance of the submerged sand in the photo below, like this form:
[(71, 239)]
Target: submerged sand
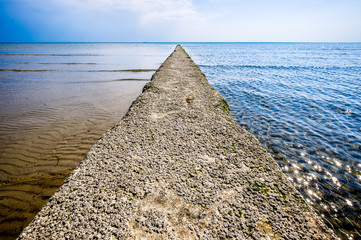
[(41, 146)]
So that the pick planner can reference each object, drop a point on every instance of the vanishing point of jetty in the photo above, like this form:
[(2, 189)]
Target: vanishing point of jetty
[(177, 166)]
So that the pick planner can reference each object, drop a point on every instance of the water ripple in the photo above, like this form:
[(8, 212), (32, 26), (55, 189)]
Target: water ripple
[(303, 102)]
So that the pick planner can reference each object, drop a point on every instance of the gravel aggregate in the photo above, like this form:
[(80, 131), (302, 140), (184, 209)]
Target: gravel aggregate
[(177, 166)]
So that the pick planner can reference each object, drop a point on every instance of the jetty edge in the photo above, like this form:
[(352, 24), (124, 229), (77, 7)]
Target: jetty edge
[(177, 166)]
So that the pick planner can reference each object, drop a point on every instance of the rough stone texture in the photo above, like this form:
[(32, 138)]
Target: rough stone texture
[(177, 167)]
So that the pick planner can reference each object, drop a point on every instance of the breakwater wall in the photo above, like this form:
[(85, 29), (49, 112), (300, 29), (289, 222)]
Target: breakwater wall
[(177, 166)]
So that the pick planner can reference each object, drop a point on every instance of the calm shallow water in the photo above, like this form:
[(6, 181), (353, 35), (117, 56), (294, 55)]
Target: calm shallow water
[(55, 101), (47, 85), (303, 102)]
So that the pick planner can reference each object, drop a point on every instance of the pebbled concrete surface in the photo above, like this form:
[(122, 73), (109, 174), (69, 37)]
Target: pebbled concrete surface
[(177, 166)]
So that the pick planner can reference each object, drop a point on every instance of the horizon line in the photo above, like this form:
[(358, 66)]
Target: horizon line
[(167, 42)]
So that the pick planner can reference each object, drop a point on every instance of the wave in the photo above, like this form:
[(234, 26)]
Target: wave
[(79, 82), (108, 81), (230, 67), (51, 54), (56, 70), (50, 63)]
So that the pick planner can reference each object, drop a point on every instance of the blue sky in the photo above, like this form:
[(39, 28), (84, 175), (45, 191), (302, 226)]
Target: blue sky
[(180, 20)]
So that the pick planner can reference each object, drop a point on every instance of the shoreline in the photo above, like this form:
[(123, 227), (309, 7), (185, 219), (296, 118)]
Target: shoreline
[(177, 166)]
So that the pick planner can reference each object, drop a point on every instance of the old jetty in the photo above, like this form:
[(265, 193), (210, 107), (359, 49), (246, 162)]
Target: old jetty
[(177, 166)]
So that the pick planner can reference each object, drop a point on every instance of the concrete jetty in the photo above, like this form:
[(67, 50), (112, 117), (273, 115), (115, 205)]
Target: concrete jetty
[(177, 166)]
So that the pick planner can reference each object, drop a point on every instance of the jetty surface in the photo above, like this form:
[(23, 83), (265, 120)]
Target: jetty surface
[(177, 166)]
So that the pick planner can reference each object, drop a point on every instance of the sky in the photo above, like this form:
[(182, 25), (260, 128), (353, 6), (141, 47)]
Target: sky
[(180, 21)]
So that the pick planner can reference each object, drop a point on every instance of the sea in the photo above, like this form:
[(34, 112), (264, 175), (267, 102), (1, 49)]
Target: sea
[(301, 100), (56, 100)]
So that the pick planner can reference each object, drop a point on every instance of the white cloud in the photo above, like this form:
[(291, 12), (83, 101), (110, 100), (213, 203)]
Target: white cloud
[(148, 10)]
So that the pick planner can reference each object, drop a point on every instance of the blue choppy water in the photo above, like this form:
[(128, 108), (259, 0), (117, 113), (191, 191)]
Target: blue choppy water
[(303, 102)]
